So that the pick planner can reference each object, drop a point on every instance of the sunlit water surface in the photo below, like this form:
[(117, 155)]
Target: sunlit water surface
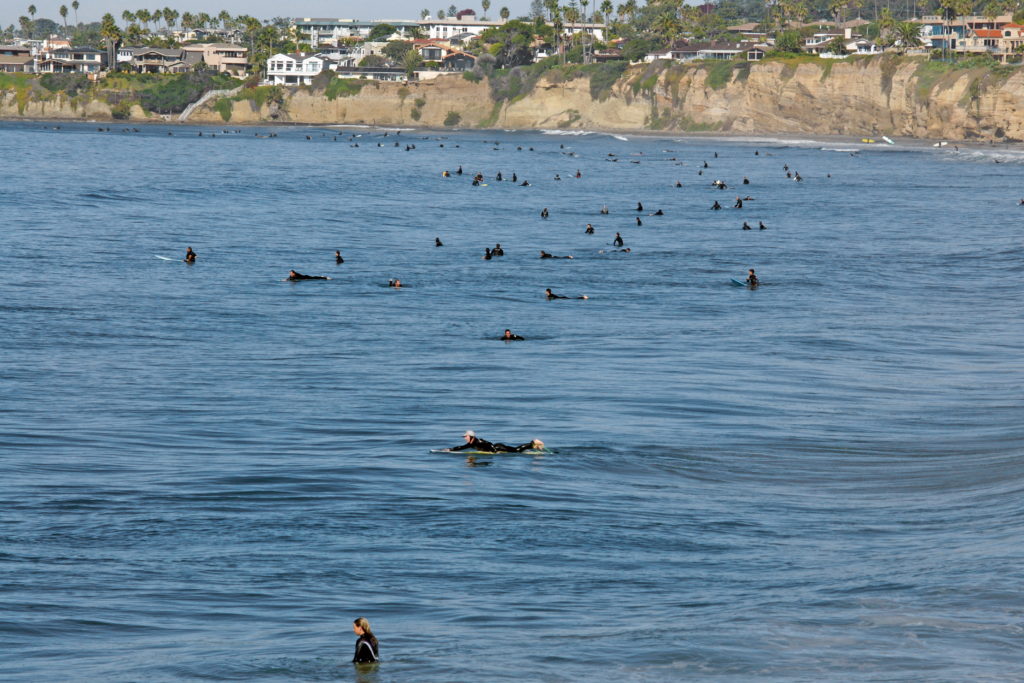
[(207, 472)]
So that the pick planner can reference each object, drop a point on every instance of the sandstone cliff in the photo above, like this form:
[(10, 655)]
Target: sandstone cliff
[(866, 96)]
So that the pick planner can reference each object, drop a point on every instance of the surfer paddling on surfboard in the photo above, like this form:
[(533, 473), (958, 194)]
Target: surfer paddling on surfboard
[(475, 443)]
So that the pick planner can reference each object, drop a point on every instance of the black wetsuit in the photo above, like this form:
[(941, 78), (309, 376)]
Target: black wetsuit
[(300, 276), (190, 256), (513, 337), (367, 650), (478, 444), (752, 281), (618, 240)]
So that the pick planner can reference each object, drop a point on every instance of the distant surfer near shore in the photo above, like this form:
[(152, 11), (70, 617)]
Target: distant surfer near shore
[(508, 336), (190, 256), (438, 242), (475, 443), (295, 275)]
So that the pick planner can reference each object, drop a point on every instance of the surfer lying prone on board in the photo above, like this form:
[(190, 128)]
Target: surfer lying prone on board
[(295, 275), (474, 443)]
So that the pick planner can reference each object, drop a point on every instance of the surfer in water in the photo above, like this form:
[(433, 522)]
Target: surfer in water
[(337, 256), (295, 275), (617, 241), (475, 443), (590, 228), (508, 336), (544, 254), (190, 256), (367, 648), (752, 278), (438, 242), (396, 283), (716, 206), (551, 295)]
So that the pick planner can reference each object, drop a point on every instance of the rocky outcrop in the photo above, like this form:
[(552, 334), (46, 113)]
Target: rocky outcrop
[(885, 95)]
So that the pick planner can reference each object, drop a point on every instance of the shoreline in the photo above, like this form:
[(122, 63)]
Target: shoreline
[(767, 137)]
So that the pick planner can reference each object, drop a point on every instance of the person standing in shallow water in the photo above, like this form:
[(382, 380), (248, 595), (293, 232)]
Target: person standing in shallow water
[(367, 648)]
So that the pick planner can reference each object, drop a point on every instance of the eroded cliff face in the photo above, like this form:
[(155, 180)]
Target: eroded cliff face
[(878, 96)]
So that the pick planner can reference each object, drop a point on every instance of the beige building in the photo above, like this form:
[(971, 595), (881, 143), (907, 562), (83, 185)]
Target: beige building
[(223, 57)]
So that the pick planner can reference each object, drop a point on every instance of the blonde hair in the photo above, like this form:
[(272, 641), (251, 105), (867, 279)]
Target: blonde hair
[(363, 624)]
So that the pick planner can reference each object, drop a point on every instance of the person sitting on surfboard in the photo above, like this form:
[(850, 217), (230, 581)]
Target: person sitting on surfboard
[(475, 443), (190, 256), (752, 278), (294, 275), (508, 336)]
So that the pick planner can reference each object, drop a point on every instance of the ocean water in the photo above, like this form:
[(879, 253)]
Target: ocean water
[(206, 472)]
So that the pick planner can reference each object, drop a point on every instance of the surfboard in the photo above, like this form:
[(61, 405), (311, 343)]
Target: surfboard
[(532, 451), (164, 258), (737, 282), (888, 140)]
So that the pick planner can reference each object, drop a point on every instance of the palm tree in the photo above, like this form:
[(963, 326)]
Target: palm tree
[(142, 16), (171, 16), (32, 13), (75, 6), (64, 16), (26, 26), (486, 4), (908, 34), (128, 17), (112, 35), (225, 18), (424, 13), (440, 14), (504, 13)]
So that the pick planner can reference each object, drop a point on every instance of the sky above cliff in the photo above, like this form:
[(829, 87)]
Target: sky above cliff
[(89, 10)]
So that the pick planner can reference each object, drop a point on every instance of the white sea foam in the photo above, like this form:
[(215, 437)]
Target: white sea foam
[(558, 131)]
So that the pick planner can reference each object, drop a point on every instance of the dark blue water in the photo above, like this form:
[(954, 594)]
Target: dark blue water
[(207, 472)]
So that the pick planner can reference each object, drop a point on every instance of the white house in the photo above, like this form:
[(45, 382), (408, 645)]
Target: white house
[(294, 69)]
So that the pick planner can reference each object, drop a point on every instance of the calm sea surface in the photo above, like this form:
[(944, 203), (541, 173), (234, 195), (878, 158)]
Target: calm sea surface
[(207, 472)]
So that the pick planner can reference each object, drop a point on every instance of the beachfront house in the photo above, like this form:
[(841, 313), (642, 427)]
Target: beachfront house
[(156, 60), (15, 59), (82, 60), (294, 69), (221, 57), (318, 31), (458, 61)]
